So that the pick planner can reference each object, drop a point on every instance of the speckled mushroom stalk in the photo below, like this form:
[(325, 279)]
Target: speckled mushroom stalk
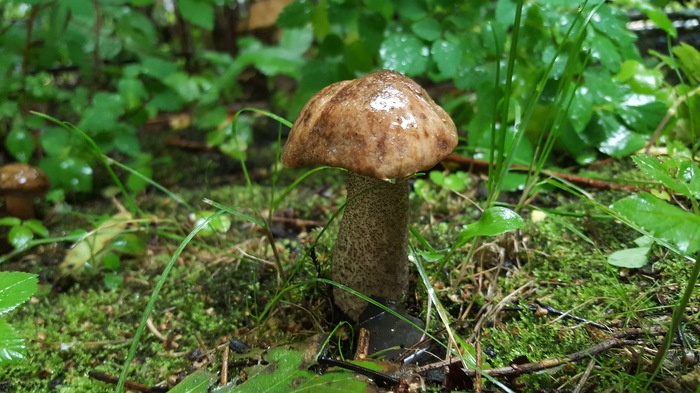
[(370, 253), (379, 127)]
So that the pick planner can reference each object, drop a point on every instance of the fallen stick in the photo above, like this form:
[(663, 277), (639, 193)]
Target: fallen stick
[(467, 162)]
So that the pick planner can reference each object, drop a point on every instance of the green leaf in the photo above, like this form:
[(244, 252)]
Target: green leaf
[(404, 53), (660, 19), (631, 258), (689, 183), (129, 244), (284, 373), (20, 236), (689, 61), (606, 52), (447, 56), (662, 220), (197, 12), (428, 29), (411, 10), (385, 8), (111, 261), (157, 68), (611, 136), (20, 143), (12, 347), (197, 382), (132, 93), (295, 15), (37, 227), (494, 221), (10, 221), (69, 173), (641, 79), (15, 289)]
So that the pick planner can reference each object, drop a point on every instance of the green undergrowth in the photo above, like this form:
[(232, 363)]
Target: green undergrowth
[(221, 284)]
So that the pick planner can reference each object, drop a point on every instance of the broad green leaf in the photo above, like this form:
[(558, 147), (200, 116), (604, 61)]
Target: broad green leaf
[(612, 137), (447, 56), (494, 221), (662, 220), (20, 143), (295, 15), (69, 173), (284, 373), (411, 10), (12, 347), (37, 227), (197, 382), (57, 142), (606, 52), (631, 258), (10, 221), (385, 8), (428, 29), (641, 112), (20, 236), (319, 20), (132, 92), (198, 12), (15, 289), (404, 53), (659, 171), (157, 68), (689, 59), (641, 79), (185, 85)]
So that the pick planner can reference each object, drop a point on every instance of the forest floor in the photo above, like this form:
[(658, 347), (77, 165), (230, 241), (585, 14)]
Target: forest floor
[(535, 295)]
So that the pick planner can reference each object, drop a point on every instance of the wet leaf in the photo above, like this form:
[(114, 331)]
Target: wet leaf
[(447, 56), (70, 173), (285, 373), (20, 143), (631, 258), (662, 220), (15, 289), (494, 221), (12, 348), (20, 236), (686, 180), (404, 53), (198, 381)]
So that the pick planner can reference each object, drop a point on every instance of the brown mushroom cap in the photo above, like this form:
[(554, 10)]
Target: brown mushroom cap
[(383, 125), (18, 179)]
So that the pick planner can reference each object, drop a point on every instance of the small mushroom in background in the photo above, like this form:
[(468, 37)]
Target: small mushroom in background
[(382, 128), (20, 184)]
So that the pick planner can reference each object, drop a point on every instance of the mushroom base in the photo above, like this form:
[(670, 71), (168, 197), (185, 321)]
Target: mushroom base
[(371, 253)]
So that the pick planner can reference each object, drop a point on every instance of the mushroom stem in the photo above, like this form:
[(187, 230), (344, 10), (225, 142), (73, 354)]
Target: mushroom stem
[(370, 253), (20, 207)]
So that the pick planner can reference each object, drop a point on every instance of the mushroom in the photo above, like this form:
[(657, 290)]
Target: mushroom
[(382, 128), (20, 184)]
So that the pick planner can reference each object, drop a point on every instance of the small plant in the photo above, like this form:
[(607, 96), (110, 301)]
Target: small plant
[(674, 227), (22, 232)]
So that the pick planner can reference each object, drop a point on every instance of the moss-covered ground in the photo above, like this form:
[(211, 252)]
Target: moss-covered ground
[(78, 328)]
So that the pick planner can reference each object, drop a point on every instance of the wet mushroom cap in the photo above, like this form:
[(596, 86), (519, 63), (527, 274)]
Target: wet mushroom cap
[(23, 180), (383, 125)]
